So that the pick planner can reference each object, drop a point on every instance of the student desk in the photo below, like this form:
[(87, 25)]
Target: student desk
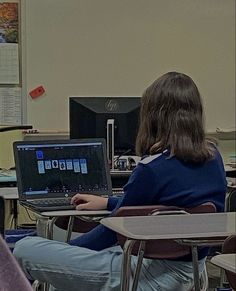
[(193, 229), (230, 171), (225, 261), (11, 194), (8, 177), (14, 211), (47, 219)]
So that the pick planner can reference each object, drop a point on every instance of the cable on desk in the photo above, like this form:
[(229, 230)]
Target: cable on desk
[(9, 128)]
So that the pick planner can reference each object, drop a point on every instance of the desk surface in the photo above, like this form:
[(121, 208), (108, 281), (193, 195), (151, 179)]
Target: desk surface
[(74, 213), (174, 226), (7, 176), (229, 168), (225, 261), (9, 193)]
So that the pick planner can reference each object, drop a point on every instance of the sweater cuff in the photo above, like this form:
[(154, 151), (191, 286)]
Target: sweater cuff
[(112, 202)]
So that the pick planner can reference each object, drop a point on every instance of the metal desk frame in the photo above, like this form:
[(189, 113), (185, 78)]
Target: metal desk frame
[(206, 230)]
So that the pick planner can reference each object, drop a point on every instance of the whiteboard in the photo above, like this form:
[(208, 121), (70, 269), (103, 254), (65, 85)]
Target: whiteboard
[(117, 48)]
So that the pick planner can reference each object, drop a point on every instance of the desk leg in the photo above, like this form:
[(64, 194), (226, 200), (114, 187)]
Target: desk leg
[(70, 228), (126, 265), (195, 268), (14, 212)]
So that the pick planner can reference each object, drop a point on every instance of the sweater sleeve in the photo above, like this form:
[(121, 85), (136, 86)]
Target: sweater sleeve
[(112, 202), (100, 237), (141, 188)]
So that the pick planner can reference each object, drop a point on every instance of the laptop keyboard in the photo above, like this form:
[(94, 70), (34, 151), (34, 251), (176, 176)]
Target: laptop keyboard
[(52, 202), (64, 202)]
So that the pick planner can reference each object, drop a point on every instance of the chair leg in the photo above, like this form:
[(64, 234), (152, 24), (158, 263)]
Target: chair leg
[(195, 268), (70, 228), (125, 272), (204, 283), (204, 279), (139, 265), (36, 285)]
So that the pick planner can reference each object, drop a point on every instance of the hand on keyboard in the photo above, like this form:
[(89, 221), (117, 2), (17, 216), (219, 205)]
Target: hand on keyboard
[(89, 202)]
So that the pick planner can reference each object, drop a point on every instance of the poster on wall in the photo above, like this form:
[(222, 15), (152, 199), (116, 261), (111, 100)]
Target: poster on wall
[(10, 106), (9, 43)]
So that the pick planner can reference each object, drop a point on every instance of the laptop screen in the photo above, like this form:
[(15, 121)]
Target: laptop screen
[(61, 168)]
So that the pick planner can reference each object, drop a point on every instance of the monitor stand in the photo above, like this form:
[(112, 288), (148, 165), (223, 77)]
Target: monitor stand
[(110, 142)]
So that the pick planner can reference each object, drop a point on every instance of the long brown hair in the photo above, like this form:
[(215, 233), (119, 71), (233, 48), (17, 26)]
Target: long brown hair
[(171, 117)]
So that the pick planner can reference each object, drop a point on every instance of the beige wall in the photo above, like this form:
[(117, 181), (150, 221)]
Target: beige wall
[(116, 48), (6, 147)]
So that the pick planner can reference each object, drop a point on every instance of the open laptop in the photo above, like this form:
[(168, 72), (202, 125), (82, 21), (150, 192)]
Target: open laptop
[(49, 173)]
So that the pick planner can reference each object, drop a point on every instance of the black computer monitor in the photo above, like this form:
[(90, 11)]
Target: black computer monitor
[(90, 118)]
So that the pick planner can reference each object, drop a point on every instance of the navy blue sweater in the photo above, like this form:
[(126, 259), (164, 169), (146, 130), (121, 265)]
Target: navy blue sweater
[(161, 180)]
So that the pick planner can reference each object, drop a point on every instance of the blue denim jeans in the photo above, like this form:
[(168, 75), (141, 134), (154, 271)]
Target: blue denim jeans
[(71, 268)]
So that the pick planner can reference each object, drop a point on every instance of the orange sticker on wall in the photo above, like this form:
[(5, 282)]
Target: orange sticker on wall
[(37, 92)]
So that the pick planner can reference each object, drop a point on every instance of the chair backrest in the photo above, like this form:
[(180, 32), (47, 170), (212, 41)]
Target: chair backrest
[(11, 275), (230, 201), (161, 249), (229, 247), (2, 215)]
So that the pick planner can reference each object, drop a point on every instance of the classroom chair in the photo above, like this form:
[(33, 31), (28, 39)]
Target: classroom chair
[(161, 249), (230, 200), (229, 247)]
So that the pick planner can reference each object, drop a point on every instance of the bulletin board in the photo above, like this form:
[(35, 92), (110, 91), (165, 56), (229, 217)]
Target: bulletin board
[(10, 63)]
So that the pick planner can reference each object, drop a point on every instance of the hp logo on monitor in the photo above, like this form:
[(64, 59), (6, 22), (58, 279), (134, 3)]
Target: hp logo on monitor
[(112, 105)]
